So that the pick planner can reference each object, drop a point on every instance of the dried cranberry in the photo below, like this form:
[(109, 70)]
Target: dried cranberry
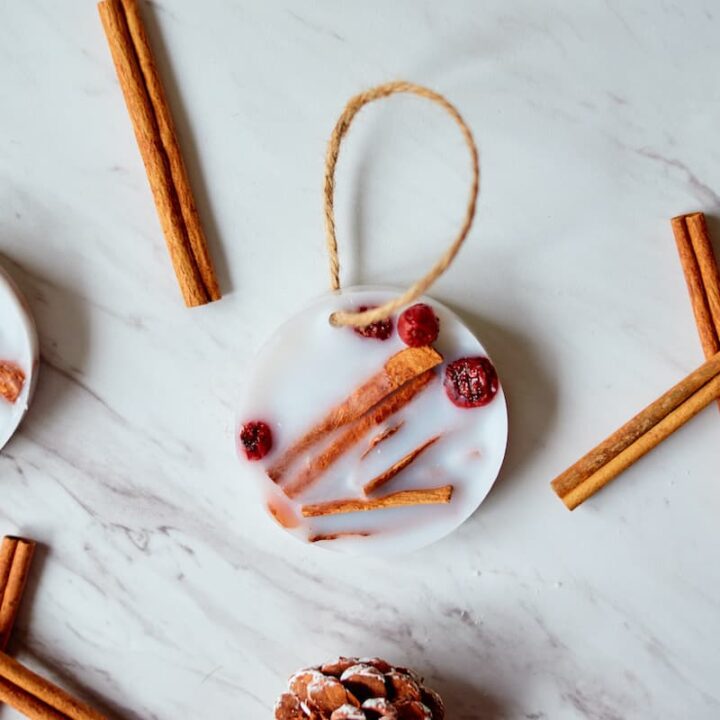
[(471, 382), (418, 326), (379, 330), (256, 439)]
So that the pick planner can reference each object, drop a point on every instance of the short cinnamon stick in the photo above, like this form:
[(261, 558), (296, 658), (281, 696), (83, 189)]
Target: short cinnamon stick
[(356, 432), (691, 246), (404, 498), (702, 245), (639, 435), (155, 133), (386, 476), (380, 438), (16, 556), (398, 370), (326, 537), (27, 692)]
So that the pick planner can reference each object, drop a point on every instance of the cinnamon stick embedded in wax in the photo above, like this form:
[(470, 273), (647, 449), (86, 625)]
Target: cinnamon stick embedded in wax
[(386, 476), (356, 432), (397, 370), (404, 498)]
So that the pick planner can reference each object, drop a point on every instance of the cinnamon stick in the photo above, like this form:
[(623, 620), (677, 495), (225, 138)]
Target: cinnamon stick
[(404, 498), (326, 537), (157, 140), (396, 468), (26, 703), (381, 437), (702, 245), (37, 697), (639, 435), (356, 432), (398, 370), (690, 247), (15, 559)]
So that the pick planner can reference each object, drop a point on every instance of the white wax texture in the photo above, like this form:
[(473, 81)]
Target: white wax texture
[(308, 367), (18, 345)]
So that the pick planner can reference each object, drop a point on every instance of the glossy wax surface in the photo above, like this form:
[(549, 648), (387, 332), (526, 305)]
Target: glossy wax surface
[(18, 345), (310, 367)]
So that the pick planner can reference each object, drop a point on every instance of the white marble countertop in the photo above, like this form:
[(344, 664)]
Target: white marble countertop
[(161, 591)]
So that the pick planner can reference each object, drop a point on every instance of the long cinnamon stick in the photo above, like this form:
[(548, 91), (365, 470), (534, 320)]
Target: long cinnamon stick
[(356, 432), (27, 692), (16, 556), (396, 468), (639, 435), (404, 498), (160, 151), (398, 370)]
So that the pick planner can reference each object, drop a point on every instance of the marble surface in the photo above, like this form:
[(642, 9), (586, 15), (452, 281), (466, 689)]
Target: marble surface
[(160, 590)]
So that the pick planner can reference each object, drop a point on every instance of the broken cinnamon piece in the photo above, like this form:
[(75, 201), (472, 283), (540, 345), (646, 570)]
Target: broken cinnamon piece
[(12, 379), (385, 477), (381, 437), (282, 513), (16, 556), (324, 537), (356, 432), (397, 371), (404, 498)]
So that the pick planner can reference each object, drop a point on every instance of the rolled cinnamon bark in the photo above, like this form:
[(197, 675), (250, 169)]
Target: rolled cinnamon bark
[(26, 691), (16, 556), (404, 498), (702, 246), (160, 151), (694, 277), (639, 435), (26, 703)]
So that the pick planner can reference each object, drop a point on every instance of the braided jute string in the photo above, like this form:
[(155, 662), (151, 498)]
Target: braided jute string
[(360, 319)]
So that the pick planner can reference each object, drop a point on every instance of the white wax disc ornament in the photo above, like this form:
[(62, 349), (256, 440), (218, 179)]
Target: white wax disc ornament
[(374, 420), (18, 358), (422, 435)]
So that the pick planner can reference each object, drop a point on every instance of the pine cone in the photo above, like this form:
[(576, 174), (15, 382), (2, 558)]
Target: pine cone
[(354, 689)]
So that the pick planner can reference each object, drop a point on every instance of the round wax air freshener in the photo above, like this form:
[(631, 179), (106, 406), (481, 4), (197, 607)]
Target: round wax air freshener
[(18, 357), (336, 421)]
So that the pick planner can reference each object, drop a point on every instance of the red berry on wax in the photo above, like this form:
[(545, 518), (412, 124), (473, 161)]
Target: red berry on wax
[(256, 440), (379, 330), (418, 326), (471, 382)]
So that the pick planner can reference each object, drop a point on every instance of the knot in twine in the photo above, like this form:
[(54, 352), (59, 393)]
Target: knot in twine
[(360, 319)]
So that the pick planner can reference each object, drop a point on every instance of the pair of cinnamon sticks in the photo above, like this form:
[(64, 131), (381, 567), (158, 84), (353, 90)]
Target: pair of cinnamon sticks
[(157, 140), (37, 698), (16, 556), (702, 277), (397, 383), (679, 404), (20, 688)]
